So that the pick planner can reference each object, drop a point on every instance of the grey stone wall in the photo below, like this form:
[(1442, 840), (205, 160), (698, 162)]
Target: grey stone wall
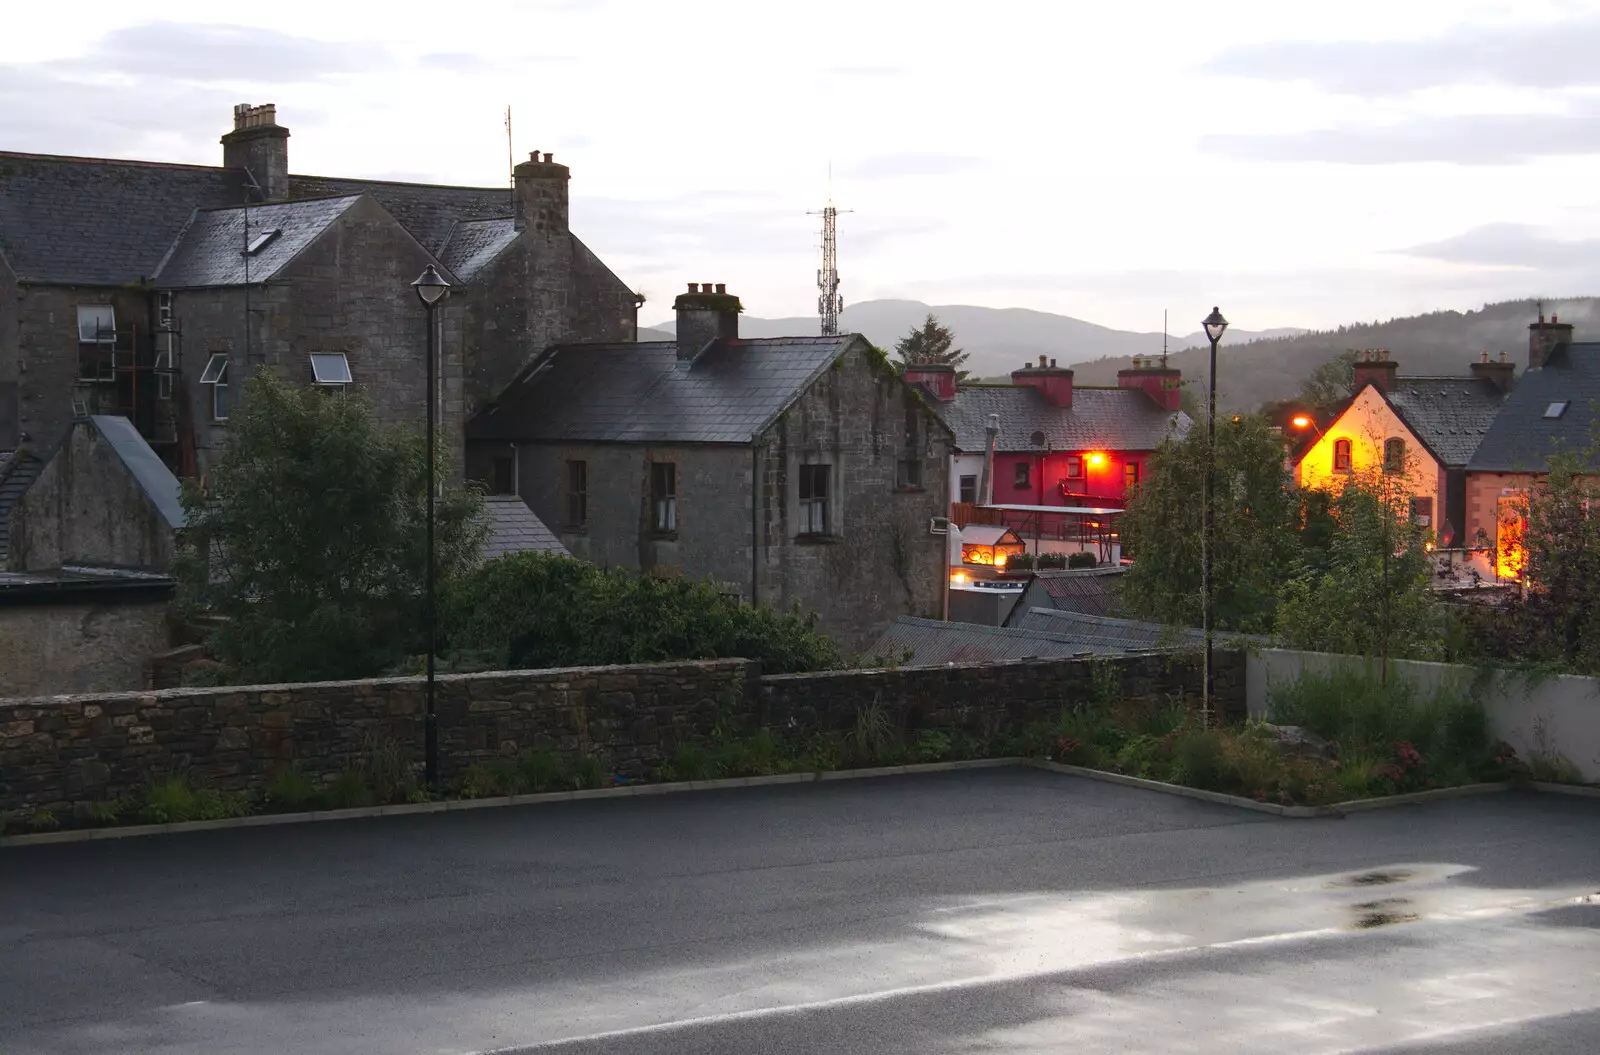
[(87, 508), (78, 646), (713, 485), (879, 560), (64, 753), (47, 355), (10, 377)]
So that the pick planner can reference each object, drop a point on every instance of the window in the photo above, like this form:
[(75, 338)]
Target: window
[(330, 368), (1422, 512), (578, 494), (163, 369), (1341, 456), (97, 342), (503, 474), (814, 499), (261, 240), (908, 474), (1555, 410), (216, 375), (1394, 455), (663, 497), (1074, 466), (1022, 474), (969, 489), (1130, 474)]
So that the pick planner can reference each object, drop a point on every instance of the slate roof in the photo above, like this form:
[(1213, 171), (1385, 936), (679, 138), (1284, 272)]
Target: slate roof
[(1450, 415), (513, 528), (1121, 419), (1522, 438), (643, 393), (146, 467), (90, 221), (473, 245), (427, 210), (1089, 591), (210, 252)]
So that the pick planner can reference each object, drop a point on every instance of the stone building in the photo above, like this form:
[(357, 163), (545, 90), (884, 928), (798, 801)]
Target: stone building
[(152, 291), (791, 470)]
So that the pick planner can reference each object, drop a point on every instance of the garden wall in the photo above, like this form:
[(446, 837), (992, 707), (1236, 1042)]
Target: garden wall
[(62, 753), (1560, 713)]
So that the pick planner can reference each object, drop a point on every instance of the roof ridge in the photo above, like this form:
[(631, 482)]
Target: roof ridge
[(276, 204), (76, 159), (403, 183)]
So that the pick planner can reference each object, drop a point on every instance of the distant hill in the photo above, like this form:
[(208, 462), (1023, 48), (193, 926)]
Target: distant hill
[(1000, 339), (1440, 343)]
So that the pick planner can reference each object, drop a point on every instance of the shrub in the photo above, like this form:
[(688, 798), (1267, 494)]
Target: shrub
[(1082, 560), (872, 738), (932, 746), (1197, 759), (756, 756), (348, 791), (291, 789), (1551, 767), (542, 769), (109, 811), (693, 762), (170, 800), (385, 768), (41, 821), (1053, 560), (588, 772), (1020, 562)]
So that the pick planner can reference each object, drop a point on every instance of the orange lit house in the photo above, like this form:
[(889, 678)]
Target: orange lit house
[(1553, 409), (1426, 428)]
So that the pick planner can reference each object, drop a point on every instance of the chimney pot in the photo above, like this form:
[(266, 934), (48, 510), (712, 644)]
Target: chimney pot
[(548, 158), (1052, 364), (1484, 358), (1041, 362), (1502, 355), (1554, 319), (694, 287), (533, 155), (722, 288)]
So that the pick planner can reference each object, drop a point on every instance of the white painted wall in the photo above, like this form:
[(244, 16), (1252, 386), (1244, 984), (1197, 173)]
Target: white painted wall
[(1565, 709)]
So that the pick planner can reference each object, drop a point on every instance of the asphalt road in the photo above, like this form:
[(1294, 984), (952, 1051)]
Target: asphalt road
[(985, 911)]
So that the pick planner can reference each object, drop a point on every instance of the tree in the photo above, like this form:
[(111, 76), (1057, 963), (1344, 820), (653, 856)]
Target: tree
[(1362, 584), (532, 610), (311, 540), (1329, 384), (1256, 517), (930, 343)]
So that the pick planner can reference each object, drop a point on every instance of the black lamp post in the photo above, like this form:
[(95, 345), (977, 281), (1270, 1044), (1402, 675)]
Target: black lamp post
[(431, 289), (1215, 325)]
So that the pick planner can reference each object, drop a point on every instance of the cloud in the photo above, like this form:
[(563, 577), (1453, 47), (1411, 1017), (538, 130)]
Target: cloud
[(1465, 139), (467, 64), (171, 51), (1552, 55), (889, 166), (1510, 245)]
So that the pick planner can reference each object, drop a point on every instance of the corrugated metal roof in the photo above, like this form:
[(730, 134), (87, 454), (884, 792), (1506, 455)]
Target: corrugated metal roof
[(643, 393), (514, 528), (1119, 419), (1090, 591), (210, 251), (152, 474)]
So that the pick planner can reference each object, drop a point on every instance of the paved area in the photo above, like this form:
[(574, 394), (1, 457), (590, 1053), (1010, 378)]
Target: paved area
[(984, 911)]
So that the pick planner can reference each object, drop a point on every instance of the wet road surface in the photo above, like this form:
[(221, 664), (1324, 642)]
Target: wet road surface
[(986, 911)]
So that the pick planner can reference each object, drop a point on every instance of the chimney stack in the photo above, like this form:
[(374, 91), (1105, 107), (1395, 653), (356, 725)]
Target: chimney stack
[(706, 313), (1164, 384), (1544, 338), (1501, 372), (1054, 382), (259, 145), (937, 378), (541, 195), (1376, 367)]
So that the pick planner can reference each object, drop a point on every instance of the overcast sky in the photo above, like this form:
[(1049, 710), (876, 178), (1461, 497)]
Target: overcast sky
[(1299, 165)]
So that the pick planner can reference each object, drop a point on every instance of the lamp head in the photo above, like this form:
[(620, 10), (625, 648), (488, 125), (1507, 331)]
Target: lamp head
[(431, 286), (1215, 325)]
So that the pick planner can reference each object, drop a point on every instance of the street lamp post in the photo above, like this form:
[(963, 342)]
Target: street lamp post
[(1215, 325), (431, 288)]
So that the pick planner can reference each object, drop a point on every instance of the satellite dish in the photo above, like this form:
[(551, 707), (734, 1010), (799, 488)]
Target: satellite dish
[(1038, 439)]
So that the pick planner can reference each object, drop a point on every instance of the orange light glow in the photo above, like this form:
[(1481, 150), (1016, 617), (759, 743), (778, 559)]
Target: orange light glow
[(958, 578), (1511, 553), (1300, 421), (1428, 547), (1097, 459), (999, 560)]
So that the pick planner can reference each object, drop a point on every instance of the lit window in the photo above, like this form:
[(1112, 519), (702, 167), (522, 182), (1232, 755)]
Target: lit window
[(1022, 475), (1074, 466), (1394, 455), (330, 368), (1341, 456), (1130, 474), (814, 499), (664, 497), (578, 494), (1422, 512), (260, 241), (216, 375), (969, 490), (1555, 410)]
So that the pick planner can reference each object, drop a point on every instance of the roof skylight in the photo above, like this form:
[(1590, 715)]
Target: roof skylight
[(1555, 410)]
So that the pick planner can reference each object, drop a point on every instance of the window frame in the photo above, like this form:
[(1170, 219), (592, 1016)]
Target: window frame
[(1346, 463), (496, 462), (663, 498), (1131, 473), (815, 514), (216, 375), (577, 493), (962, 484), (1394, 455), (1074, 467), (100, 348), (908, 474), (102, 335), (1424, 518), (1022, 475)]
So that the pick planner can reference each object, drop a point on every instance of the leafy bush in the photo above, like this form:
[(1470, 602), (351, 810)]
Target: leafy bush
[(542, 769), (1082, 560), (291, 789), (1019, 562), (534, 610), (1198, 759), (873, 737), (1354, 709), (1053, 560), (348, 791), (692, 762), (1551, 767), (385, 768), (932, 746), (588, 772), (170, 800), (109, 811)]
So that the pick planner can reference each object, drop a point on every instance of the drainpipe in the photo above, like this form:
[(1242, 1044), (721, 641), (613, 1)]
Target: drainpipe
[(755, 519)]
